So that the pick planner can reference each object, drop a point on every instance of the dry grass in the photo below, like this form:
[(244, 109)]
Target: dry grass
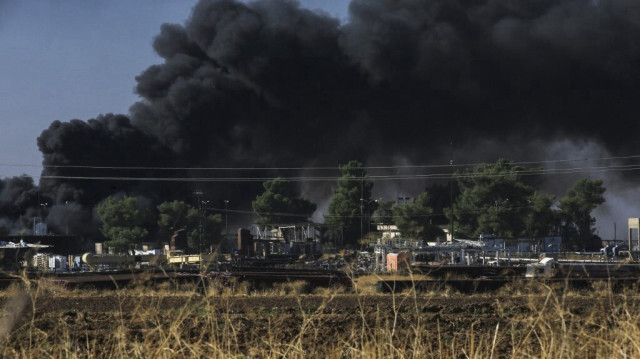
[(291, 320)]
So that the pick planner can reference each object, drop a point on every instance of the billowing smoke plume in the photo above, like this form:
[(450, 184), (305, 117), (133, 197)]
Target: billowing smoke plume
[(268, 83), (18, 204)]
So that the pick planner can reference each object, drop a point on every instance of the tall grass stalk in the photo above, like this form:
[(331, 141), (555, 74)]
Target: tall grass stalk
[(292, 321)]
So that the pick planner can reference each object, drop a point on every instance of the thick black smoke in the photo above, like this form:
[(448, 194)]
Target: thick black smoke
[(19, 203), (271, 83), (268, 83), (265, 83), (108, 145)]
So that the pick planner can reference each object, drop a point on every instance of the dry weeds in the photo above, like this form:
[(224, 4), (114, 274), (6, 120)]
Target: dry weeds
[(293, 321)]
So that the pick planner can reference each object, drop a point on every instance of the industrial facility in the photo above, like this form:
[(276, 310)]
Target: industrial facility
[(298, 250)]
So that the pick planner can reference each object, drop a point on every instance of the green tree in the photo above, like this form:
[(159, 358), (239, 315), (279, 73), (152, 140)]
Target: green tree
[(124, 222), (177, 215), (575, 209), (494, 198), (414, 219), (541, 219), (384, 213), (279, 204), (347, 218), (440, 199)]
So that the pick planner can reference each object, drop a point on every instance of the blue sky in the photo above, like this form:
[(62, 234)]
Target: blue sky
[(76, 59)]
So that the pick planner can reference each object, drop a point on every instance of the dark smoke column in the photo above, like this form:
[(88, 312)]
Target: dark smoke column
[(270, 84), (249, 84)]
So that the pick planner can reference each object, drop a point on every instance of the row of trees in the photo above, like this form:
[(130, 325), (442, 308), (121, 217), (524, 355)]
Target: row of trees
[(500, 199), (126, 221), (350, 211)]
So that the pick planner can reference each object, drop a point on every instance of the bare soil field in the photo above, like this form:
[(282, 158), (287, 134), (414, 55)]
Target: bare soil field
[(143, 322)]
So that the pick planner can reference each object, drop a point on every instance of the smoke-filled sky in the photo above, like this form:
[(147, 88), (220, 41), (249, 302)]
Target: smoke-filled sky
[(273, 84), (76, 59)]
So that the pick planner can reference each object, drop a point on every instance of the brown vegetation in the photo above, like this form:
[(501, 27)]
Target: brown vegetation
[(289, 321)]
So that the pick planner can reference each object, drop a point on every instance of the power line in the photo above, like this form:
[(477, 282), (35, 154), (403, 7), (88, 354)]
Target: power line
[(448, 165), (433, 176), (357, 215)]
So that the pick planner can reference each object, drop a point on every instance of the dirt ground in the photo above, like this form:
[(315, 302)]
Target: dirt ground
[(94, 318)]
